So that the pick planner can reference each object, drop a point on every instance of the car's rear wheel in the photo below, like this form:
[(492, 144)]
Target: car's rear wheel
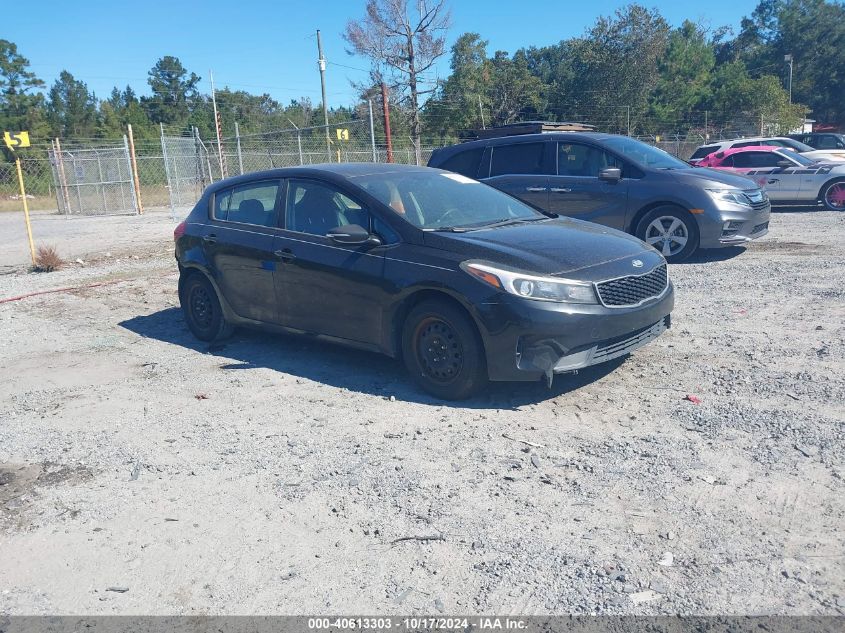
[(443, 351), (833, 195), (671, 230), (202, 309)]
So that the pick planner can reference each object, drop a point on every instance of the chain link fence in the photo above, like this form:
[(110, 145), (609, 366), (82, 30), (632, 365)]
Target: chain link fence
[(95, 178), (96, 181)]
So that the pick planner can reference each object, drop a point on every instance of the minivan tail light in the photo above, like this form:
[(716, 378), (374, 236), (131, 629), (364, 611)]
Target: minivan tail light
[(179, 231)]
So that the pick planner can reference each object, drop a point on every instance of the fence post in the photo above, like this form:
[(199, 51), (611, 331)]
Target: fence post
[(63, 178), (131, 173), (134, 163), (238, 141), (299, 145), (372, 130), (386, 108), (100, 185), (167, 172)]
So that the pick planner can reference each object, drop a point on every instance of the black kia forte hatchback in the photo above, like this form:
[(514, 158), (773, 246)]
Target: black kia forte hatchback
[(463, 282)]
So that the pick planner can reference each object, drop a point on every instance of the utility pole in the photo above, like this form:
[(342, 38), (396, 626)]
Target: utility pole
[(217, 125), (481, 111), (788, 59), (628, 108), (321, 62), (386, 108)]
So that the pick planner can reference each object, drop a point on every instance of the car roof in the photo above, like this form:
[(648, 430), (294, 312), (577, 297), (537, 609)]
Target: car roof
[(441, 154), (327, 171), (749, 148)]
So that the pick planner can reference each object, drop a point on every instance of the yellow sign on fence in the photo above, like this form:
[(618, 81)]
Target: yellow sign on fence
[(342, 134), (15, 140)]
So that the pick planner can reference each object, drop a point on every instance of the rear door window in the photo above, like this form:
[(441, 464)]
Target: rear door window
[(464, 163), (519, 158), (252, 203)]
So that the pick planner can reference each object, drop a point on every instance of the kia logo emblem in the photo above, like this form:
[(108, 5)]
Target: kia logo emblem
[(637, 263)]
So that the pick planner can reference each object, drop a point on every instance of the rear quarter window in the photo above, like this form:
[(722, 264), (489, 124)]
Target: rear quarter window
[(519, 158), (701, 152), (465, 163)]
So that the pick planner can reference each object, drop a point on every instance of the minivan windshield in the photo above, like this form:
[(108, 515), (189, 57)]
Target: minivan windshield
[(643, 154), (434, 200)]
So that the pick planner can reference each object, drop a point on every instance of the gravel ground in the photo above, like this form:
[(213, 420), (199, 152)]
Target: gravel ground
[(143, 472)]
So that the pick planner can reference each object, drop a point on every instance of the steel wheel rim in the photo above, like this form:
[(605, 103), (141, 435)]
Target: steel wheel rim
[(202, 308), (667, 234), (834, 197), (439, 350)]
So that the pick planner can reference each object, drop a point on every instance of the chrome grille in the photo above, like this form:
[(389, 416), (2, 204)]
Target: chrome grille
[(635, 289), (759, 199)]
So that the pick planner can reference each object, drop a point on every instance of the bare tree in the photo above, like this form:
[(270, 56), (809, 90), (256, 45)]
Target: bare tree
[(402, 42)]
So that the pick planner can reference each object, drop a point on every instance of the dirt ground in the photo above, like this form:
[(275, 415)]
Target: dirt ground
[(142, 472)]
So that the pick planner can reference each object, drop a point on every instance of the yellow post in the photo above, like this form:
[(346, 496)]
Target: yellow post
[(25, 210)]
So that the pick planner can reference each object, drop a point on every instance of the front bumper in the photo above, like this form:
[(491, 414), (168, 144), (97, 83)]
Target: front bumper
[(529, 340), (733, 225)]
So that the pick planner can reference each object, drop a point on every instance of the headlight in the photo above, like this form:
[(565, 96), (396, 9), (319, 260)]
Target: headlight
[(734, 196), (531, 286)]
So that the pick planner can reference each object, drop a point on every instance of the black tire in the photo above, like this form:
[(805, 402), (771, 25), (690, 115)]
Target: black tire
[(839, 183), (666, 215), (443, 351), (202, 310)]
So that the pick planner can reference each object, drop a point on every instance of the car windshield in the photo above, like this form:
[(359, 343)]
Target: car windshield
[(798, 146), (643, 154), (791, 153), (433, 200)]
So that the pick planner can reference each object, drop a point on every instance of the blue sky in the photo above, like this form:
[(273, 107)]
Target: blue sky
[(267, 46)]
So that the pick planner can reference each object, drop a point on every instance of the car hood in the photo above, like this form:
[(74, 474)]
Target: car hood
[(561, 247), (712, 178), (827, 155)]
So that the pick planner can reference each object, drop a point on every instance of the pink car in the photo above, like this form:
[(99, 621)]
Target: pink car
[(786, 175)]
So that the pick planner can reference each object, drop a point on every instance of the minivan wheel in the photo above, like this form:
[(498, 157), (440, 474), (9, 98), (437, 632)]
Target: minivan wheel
[(833, 195), (202, 310), (671, 230), (443, 351)]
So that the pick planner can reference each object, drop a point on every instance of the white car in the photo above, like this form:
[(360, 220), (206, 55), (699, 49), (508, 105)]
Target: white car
[(822, 155)]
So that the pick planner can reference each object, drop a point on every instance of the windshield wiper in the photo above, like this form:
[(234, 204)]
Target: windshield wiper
[(510, 221), (450, 229)]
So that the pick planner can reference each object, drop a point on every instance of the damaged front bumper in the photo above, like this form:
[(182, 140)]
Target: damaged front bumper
[(544, 339), (546, 355)]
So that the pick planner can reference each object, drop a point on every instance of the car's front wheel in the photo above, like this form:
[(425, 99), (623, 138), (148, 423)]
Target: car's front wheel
[(833, 195), (202, 309), (443, 351), (671, 230)]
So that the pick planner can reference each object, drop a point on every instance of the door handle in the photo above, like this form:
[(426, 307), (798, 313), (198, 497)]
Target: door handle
[(209, 239), (535, 189), (561, 189), (773, 181), (286, 255)]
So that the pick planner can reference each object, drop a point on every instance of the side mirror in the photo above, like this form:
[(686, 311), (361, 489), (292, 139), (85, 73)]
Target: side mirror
[(610, 174), (352, 234), (785, 164)]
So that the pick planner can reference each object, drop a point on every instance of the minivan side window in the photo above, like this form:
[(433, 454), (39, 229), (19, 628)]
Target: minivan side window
[(575, 159), (252, 203), (518, 158), (464, 163)]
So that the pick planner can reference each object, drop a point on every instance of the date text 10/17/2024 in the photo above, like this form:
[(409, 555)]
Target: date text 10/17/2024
[(414, 623)]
